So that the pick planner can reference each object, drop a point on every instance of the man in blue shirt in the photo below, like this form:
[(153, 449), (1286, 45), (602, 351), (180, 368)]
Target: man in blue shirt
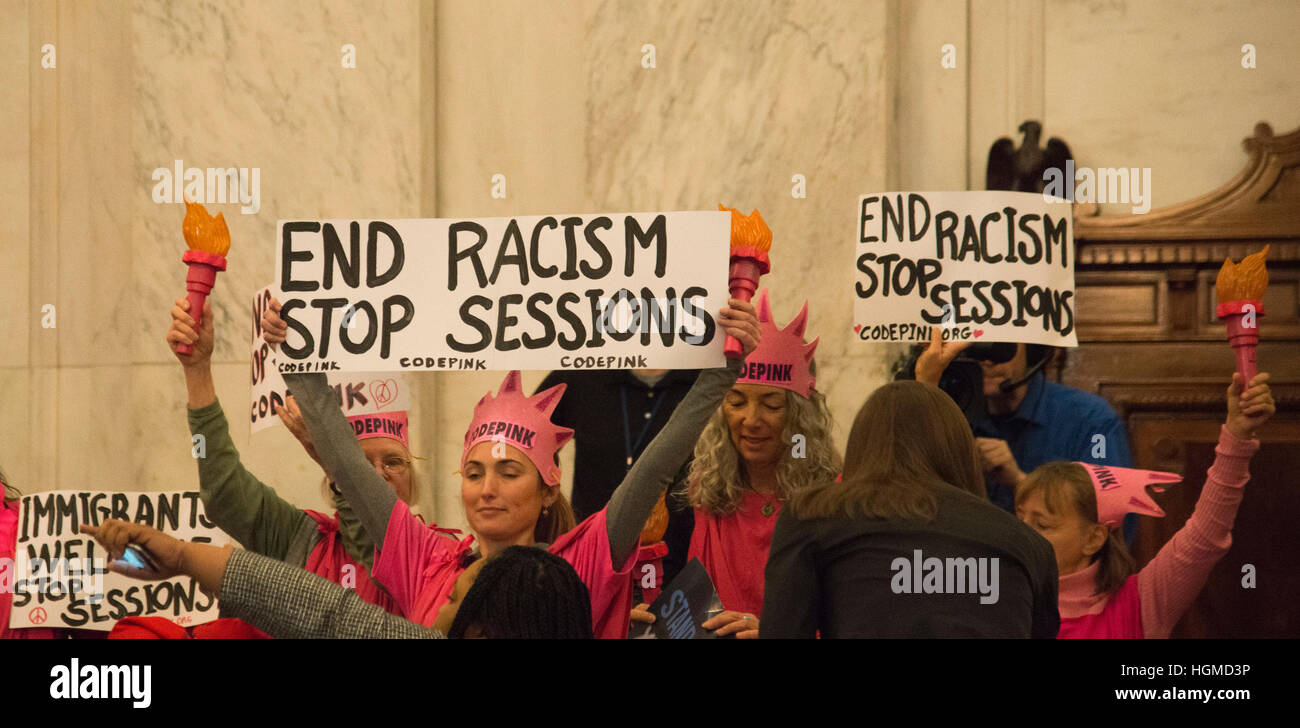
[(1033, 423)]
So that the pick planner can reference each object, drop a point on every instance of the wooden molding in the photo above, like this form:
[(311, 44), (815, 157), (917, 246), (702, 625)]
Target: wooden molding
[(1260, 205), (1190, 395)]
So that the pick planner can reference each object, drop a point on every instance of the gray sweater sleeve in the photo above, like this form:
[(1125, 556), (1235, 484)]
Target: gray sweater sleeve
[(635, 498), (366, 491), (286, 602)]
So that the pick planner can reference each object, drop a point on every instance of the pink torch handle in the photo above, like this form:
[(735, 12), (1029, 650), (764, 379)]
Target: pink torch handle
[(1243, 338), (743, 282), (1245, 362), (199, 281)]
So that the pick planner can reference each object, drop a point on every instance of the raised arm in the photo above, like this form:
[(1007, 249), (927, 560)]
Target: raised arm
[(364, 489), (1169, 584), (336, 445), (240, 504), (655, 470), (235, 500)]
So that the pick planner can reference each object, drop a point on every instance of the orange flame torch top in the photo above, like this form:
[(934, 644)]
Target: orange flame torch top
[(750, 238), (656, 524), (749, 232), (204, 232), (1244, 281)]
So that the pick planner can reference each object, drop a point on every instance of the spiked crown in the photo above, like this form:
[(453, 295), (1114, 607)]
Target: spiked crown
[(1121, 491), (521, 421), (781, 359)]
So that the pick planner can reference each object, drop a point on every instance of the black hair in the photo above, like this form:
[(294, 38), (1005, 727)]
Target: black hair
[(525, 593)]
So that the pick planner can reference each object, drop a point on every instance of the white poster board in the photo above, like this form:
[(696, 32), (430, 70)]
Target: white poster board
[(359, 393), (61, 577), (983, 266), (593, 291)]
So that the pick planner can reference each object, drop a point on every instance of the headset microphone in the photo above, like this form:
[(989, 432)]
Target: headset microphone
[(1007, 386)]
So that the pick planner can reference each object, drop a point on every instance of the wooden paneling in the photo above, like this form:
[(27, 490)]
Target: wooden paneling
[(1151, 345)]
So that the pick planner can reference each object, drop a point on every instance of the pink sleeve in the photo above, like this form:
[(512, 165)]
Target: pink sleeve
[(409, 547), (1168, 585), (586, 548)]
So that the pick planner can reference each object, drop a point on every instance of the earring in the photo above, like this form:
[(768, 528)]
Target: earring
[(546, 511)]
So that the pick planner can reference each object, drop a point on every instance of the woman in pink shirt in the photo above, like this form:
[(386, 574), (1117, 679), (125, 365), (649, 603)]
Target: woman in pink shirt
[(510, 487), (1078, 508), (770, 437)]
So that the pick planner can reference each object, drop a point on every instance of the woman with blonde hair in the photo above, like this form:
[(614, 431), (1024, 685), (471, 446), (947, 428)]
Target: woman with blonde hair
[(770, 439), (907, 545)]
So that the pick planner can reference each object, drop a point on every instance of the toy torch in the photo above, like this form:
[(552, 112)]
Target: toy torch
[(750, 240), (1239, 292), (209, 241), (649, 571)]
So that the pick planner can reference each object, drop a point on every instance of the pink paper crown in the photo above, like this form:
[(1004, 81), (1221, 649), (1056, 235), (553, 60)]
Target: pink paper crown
[(1121, 491), (781, 359), (524, 422), (382, 424)]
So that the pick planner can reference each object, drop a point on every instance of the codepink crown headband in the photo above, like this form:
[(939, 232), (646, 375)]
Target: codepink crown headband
[(524, 422), (781, 359), (381, 424), (1121, 491)]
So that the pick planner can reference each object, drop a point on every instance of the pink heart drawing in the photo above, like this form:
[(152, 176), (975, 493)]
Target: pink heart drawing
[(857, 328), (979, 333), (384, 391)]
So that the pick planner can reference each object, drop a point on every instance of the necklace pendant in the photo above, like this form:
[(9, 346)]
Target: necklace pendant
[(768, 510)]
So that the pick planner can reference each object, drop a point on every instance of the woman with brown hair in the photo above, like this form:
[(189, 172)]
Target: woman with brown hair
[(1077, 508), (907, 545)]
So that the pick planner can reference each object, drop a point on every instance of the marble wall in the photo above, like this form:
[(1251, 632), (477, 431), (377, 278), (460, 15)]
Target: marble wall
[(555, 96), (98, 401), (743, 95)]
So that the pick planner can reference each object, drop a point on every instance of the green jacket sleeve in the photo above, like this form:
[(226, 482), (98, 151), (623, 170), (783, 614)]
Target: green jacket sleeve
[(235, 500)]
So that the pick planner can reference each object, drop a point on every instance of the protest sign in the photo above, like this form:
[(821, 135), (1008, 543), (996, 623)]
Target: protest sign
[(360, 393), (595, 291), (685, 605), (60, 576), (988, 266)]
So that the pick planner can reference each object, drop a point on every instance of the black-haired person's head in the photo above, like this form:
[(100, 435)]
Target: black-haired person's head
[(524, 592)]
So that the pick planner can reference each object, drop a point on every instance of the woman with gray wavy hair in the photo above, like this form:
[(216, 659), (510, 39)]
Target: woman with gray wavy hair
[(770, 439)]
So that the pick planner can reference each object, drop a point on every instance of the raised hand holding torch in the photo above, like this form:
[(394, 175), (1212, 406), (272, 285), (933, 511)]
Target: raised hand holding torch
[(1239, 293), (209, 241), (750, 241)]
